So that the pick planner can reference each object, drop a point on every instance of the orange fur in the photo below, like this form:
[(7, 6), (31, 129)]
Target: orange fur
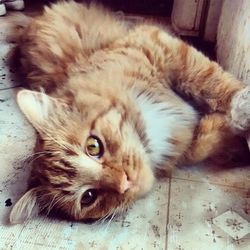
[(118, 83)]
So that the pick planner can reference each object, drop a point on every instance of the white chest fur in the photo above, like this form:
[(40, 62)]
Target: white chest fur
[(162, 121)]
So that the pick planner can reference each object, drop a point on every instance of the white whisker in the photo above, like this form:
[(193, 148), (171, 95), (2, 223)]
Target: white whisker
[(113, 215)]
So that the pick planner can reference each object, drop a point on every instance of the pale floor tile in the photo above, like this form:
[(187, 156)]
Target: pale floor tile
[(140, 228), (6, 74), (16, 140), (207, 216), (235, 177)]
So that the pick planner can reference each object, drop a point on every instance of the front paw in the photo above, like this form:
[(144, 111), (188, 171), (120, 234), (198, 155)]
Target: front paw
[(240, 110)]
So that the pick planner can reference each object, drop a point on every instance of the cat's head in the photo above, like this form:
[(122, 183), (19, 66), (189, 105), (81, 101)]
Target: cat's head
[(90, 160)]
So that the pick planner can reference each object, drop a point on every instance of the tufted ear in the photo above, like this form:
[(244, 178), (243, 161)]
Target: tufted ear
[(36, 106), (26, 207), (41, 109)]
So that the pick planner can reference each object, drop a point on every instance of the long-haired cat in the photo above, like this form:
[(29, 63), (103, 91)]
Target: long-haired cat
[(114, 109)]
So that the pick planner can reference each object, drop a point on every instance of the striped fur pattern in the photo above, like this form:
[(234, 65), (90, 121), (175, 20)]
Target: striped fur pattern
[(128, 87)]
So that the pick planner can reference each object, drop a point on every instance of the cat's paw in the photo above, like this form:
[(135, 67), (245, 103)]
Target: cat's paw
[(240, 110)]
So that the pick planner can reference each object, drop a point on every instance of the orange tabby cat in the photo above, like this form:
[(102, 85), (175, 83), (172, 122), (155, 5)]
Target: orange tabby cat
[(114, 110)]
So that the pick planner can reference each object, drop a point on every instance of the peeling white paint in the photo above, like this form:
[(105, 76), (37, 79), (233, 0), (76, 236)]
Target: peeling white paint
[(233, 38)]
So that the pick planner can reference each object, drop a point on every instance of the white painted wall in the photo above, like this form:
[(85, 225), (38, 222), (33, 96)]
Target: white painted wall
[(233, 38)]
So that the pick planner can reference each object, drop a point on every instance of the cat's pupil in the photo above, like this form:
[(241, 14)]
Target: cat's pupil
[(93, 148), (89, 197)]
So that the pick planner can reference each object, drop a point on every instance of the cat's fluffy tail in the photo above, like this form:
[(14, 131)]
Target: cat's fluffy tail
[(61, 39)]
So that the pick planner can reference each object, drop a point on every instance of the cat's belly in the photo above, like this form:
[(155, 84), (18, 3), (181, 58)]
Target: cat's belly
[(169, 127)]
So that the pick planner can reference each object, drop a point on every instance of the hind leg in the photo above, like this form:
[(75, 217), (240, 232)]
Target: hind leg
[(213, 138)]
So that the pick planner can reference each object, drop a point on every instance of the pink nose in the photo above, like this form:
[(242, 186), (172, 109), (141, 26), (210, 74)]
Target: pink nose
[(125, 184)]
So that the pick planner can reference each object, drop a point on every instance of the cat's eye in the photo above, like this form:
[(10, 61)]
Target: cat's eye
[(94, 147), (89, 197)]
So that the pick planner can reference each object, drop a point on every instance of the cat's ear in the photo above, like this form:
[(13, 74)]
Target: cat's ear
[(26, 207), (36, 106)]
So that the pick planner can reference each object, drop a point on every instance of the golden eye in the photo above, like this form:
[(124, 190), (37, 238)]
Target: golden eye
[(94, 147)]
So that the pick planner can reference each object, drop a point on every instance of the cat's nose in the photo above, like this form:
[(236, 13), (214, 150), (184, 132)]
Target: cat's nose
[(125, 184)]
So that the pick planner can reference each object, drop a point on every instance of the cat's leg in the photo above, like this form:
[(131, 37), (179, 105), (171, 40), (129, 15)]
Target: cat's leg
[(192, 75), (214, 137), (205, 82)]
